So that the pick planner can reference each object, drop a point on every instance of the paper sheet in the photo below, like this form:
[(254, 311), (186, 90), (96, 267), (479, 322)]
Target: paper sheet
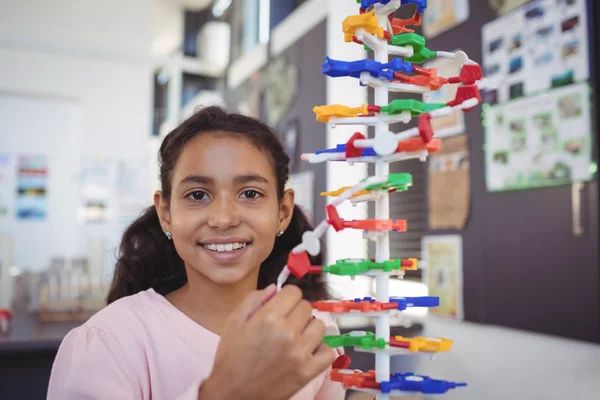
[(443, 275), (544, 140), (32, 186), (541, 46), (442, 15), (449, 190)]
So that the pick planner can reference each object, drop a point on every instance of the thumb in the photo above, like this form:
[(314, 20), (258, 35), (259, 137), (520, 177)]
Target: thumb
[(253, 302)]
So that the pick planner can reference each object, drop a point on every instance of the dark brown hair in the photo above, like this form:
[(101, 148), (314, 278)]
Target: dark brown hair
[(147, 259)]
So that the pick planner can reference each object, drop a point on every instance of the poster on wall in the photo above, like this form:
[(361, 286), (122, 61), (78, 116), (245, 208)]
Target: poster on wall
[(541, 46), (444, 273), (5, 191), (449, 185), (443, 15), (32, 184), (545, 140), (504, 6), (454, 123), (95, 186)]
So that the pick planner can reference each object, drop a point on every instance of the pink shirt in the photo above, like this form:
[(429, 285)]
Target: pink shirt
[(143, 347)]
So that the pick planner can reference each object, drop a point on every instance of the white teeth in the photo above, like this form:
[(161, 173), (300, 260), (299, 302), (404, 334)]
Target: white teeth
[(225, 247)]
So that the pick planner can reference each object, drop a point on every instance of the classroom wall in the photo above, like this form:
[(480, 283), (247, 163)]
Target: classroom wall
[(59, 56)]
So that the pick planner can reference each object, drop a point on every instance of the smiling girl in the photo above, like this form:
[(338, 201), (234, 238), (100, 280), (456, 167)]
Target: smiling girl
[(193, 312)]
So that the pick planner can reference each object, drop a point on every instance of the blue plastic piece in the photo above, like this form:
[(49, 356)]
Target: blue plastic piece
[(421, 4), (341, 148), (410, 382), (336, 68), (425, 301)]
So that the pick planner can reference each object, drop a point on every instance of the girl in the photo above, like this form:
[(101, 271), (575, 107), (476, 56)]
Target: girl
[(193, 312)]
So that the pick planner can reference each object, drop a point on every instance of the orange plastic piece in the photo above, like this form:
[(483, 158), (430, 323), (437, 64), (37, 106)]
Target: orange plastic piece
[(426, 77), (421, 343), (357, 379), (325, 113), (376, 225), (367, 21), (350, 305), (400, 25), (415, 144)]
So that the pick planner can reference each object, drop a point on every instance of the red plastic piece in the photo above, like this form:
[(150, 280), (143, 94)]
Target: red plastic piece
[(355, 40), (333, 218), (407, 263), (298, 264), (469, 74), (425, 129), (374, 109), (342, 362), (315, 270), (351, 151), (358, 379), (345, 306), (377, 225), (465, 93), (387, 35), (397, 343)]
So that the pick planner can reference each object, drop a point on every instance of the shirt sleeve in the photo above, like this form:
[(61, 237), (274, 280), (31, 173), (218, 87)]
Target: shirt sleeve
[(90, 365), (329, 389)]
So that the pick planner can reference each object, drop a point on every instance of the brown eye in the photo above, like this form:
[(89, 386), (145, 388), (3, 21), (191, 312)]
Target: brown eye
[(198, 195), (251, 194)]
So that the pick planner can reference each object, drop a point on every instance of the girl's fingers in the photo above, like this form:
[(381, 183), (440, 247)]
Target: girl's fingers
[(283, 302), (321, 360), (312, 336), (299, 318)]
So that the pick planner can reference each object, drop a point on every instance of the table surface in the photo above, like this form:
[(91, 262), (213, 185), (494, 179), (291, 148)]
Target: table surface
[(28, 333)]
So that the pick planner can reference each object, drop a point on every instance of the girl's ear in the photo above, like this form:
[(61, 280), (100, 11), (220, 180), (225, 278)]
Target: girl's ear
[(286, 210), (162, 209)]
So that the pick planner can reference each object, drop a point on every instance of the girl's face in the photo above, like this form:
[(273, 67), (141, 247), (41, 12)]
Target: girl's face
[(224, 213)]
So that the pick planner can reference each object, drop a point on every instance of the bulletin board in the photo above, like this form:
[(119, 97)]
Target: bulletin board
[(538, 119)]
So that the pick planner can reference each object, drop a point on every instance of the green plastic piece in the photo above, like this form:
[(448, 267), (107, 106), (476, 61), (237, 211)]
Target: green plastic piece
[(354, 267), (415, 107), (409, 39), (419, 57), (400, 182), (367, 342), (421, 53)]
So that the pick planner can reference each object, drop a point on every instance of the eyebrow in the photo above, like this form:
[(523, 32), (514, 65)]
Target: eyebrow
[(239, 179)]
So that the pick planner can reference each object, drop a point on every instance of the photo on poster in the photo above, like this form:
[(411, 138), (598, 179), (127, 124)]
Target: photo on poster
[(540, 46), (539, 141), (32, 184), (504, 6), (443, 273), (95, 190), (443, 15)]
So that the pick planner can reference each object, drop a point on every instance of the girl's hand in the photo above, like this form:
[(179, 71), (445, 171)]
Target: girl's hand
[(271, 348)]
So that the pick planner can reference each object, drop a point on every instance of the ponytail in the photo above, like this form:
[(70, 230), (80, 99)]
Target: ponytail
[(147, 259), (312, 286)]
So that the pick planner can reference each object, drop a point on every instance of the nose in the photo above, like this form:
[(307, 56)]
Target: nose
[(223, 214)]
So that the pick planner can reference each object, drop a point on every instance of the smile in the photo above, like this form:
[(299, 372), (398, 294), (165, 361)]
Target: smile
[(225, 247)]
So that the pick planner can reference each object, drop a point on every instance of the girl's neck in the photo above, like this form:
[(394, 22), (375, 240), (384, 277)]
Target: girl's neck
[(209, 303)]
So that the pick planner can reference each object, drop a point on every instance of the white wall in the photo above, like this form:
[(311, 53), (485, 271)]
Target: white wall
[(92, 54)]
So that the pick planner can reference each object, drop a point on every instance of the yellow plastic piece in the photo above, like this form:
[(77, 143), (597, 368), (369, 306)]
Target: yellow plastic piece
[(335, 193), (426, 344), (414, 267), (367, 21), (324, 113)]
